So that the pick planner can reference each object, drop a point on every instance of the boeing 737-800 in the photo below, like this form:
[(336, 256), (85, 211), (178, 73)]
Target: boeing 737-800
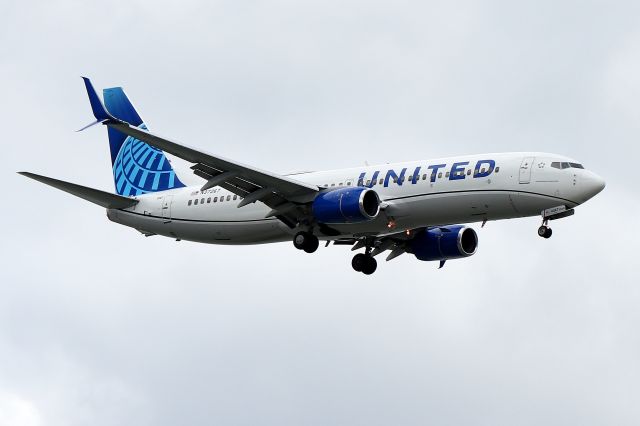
[(418, 207)]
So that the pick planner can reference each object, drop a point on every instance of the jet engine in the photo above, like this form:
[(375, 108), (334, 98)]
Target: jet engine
[(444, 243), (346, 205)]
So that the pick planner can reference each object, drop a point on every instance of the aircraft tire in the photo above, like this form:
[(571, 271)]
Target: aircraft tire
[(311, 243), (358, 262), (370, 266), (300, 240), (542, 231)]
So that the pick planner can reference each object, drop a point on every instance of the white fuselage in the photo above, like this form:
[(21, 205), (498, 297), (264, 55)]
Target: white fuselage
[(434, 192)]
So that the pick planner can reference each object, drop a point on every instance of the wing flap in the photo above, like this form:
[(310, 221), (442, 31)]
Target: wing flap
[(101, 198)]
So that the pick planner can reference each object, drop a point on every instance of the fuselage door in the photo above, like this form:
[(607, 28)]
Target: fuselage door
[(525, 169), (166, 202)]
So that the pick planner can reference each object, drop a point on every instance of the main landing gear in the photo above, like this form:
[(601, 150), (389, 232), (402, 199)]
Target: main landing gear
[(361, 262), (306, 241), (364, 263)]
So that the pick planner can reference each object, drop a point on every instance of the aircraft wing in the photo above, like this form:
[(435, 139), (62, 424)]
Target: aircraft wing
[(279, 192), (214, 166)]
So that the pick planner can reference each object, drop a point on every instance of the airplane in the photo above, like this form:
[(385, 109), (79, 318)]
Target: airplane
[(418, 207)]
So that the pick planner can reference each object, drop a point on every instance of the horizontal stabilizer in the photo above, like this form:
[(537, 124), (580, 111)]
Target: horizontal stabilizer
[(101, 198)]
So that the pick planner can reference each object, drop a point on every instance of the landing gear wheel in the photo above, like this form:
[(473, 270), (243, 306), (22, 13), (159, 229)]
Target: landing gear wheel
[(300, 239), (306, 241), (370, 266), (358, 262), (545, 231), (311, 244)]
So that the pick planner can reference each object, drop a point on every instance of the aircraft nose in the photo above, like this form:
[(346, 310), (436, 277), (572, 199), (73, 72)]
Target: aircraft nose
[(592, 185)]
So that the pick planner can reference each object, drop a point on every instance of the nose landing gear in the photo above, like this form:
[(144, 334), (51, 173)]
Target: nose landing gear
[(552, 214), (544, 231)]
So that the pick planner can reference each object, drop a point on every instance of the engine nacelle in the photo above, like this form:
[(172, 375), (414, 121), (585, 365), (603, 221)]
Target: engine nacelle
[(444, 243), (346, 205)]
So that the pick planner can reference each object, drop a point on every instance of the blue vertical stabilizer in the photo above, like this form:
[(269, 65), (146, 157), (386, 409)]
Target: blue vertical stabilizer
[(137, 167)]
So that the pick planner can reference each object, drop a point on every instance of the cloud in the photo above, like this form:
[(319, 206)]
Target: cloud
[(17, 411)]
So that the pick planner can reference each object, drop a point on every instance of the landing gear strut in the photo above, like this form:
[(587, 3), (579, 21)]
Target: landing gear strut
[(306, 241), (364, 263)]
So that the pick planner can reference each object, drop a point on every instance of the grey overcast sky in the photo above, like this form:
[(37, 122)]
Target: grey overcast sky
[(101, 326)]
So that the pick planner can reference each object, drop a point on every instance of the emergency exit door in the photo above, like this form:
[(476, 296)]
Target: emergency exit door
[(167, 200)]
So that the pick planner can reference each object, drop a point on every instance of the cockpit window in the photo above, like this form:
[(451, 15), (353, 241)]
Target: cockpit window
[(559, 165)]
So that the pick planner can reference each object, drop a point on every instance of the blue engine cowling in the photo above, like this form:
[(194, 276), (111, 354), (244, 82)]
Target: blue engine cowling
[(444, 243), (346, 205)]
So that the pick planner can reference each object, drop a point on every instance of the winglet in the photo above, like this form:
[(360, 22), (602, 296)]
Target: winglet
[(99, 111)]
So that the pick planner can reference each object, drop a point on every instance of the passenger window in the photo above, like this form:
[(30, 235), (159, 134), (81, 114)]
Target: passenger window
[(340, 184), (482, 170), (333, 184), (222, 198), (208, 200), (215, 199), (195, 202), (189, 203), (381, 181), (228, 197), (446, 174), (235, 197), (439, 175), (424, 176), (497, 169), (468, 172), (348, 183), (395, 180)]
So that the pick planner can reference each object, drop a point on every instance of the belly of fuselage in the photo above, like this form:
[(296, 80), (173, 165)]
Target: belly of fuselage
[(213, 232)]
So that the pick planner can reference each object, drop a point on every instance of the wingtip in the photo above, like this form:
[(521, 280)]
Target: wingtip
[(27, 174)]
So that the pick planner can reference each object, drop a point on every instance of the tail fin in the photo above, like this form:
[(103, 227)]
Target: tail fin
[(137, 167)]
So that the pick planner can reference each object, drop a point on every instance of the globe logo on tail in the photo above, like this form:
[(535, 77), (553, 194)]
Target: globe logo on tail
[(139, 168)]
